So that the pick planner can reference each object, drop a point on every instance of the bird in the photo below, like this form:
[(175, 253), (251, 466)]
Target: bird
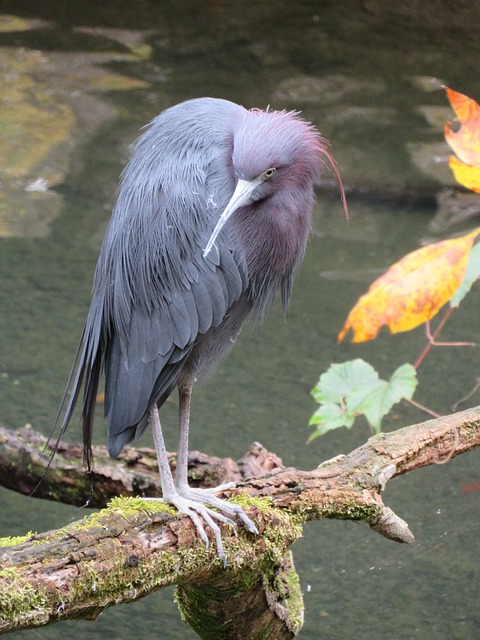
[(210, 223)]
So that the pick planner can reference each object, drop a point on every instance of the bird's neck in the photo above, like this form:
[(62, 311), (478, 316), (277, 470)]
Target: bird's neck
[(272, 236)]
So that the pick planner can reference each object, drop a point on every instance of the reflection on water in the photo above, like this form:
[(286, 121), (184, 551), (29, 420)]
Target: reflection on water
[(362, 72)]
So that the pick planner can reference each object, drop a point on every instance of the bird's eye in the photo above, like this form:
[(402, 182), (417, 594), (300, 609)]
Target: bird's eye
[(268, 173)]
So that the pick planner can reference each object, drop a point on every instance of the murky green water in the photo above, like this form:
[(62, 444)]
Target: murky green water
[(358, 71)]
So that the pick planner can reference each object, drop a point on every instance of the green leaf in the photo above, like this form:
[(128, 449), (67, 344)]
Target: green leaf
[(354, 388), (341, 379), (376, 400), (328, 417), (471, 274)]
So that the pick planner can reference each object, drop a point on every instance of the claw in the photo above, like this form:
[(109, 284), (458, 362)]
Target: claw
[(249, 524), (192, 503)]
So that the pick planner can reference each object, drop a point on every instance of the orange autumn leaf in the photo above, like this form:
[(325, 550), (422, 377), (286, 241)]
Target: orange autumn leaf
[(465, 141), (412, 291)]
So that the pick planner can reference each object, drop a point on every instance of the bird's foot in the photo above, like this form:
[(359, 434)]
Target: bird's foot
[(192, 502), (206, 496)]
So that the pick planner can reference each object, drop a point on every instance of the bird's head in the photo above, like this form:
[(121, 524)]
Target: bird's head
[(272, 150)]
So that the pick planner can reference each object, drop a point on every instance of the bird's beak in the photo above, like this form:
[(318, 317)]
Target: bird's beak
[(241, 197)]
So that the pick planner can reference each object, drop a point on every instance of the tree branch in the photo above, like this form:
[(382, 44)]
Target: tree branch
[(134, 546), (24, 456)]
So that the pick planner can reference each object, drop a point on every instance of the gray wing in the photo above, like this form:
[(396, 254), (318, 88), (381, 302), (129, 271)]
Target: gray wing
[(143, 364)]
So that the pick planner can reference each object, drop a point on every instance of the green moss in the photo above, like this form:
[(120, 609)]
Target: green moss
[(125, 580), (471, 429), (335, 511), (17, 596), (293, 600), (353, 511), (251, 560), (262, 504), (10, 541), (129, 506), (199, 605)]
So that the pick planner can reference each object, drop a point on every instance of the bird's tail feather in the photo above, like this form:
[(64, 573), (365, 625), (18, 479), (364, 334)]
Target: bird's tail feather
[(80, 369), (89, 401), (66, 407)]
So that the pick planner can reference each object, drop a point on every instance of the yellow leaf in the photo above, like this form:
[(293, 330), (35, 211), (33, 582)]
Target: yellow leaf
[(412, 291), (465, 174)]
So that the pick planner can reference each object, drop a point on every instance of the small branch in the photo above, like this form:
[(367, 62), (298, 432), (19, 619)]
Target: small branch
[(433, 339), (472, 391), (392, 527), (422, 407)]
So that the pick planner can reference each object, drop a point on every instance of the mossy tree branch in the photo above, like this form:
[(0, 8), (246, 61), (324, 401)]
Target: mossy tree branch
[(133, 547)]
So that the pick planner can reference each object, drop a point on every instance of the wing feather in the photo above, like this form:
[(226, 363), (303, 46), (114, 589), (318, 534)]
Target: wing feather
[(181, 322)]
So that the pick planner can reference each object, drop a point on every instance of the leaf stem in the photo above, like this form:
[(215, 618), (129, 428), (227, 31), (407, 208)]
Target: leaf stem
[(432, 339), (423, 408)]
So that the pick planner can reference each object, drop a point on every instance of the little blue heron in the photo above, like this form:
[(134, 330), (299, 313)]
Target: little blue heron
[(211, 218)]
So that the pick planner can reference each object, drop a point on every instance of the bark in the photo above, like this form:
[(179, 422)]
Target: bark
[(133, 547)]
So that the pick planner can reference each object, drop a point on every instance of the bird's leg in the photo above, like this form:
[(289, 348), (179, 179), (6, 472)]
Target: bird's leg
[(201, 496), (193, 507), (181, 473), (166, 478), (192, 502)]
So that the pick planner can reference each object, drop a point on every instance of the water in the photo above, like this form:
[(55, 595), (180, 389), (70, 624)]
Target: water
[(359, 71)]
